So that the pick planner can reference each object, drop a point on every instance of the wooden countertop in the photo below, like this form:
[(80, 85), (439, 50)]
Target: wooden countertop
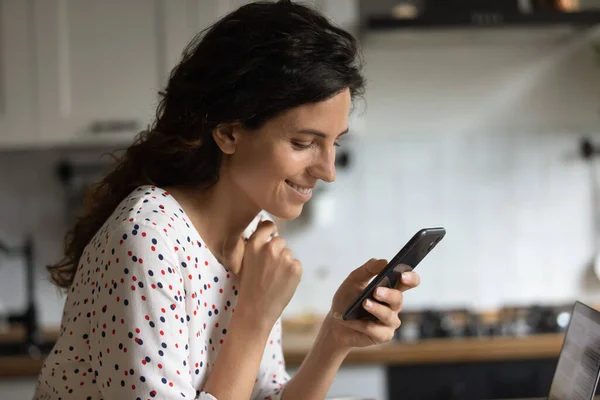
[(440, 350), (20, 366), (296, 347)]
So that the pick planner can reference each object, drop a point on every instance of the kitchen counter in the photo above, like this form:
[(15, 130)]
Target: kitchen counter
[(430, 351), (22, 365), (439, 350)]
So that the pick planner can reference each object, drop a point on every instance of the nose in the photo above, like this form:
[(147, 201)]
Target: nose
[(324, 167)]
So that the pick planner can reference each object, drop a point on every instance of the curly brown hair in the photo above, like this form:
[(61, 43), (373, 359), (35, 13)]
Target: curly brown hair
[(253, 64)]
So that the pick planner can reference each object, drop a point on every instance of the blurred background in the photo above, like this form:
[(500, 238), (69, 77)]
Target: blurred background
[(479, 116)]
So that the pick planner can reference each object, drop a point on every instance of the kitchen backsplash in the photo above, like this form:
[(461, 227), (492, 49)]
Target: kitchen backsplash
[(516, 207), (484, 143)]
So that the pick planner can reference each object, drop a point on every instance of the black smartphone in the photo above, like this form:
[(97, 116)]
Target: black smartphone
[(407, 259)]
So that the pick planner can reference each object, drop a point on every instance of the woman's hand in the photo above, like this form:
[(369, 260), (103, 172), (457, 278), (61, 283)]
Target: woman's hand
[(361, 333), (269, 276)]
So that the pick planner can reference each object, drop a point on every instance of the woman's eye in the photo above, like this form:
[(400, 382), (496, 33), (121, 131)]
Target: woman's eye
[(301, 145)]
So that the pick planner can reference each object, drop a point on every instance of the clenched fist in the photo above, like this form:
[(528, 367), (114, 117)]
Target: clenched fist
[(269, 275)]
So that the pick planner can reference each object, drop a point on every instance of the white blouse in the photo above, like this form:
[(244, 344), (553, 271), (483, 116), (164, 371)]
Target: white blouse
[(148, 312)]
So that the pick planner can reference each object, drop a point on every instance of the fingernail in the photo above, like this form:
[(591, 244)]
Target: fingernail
[(337, 315), (368, 303), (406, 277), (380, 292)]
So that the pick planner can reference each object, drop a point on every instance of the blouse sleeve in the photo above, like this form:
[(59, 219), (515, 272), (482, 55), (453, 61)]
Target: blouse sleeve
[(138, 342), (272, 382)]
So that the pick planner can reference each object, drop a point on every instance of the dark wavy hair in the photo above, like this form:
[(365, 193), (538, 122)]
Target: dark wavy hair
[(253, 64)]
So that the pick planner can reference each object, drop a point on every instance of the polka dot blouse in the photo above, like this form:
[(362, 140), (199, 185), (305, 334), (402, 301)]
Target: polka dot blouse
[(148, 312)]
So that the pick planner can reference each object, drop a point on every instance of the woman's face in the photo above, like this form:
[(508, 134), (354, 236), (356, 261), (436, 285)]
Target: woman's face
[(277, 166)]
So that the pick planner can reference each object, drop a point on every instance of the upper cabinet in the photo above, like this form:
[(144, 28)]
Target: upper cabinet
[(343, 13), (185, 19), (101, 64), (17, 86), (98, 68), (88, 72)]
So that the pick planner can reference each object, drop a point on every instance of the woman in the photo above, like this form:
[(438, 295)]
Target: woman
[(175, 276)]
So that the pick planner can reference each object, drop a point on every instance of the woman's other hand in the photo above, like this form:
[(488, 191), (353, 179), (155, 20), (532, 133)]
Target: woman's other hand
[(361, 333), (269, 276)]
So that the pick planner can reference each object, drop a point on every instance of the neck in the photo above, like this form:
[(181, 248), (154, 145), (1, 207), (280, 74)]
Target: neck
[(220, 214)]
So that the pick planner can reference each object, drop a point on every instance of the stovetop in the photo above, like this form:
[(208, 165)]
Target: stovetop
[(464, 323)]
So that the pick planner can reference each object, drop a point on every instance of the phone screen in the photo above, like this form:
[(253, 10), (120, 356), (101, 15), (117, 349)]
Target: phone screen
[(407, 259)]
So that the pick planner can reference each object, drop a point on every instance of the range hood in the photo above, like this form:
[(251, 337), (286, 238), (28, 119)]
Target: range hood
[(476, 14)]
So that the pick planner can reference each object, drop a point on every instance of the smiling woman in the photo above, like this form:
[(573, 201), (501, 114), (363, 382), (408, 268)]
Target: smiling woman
[(177, 236)]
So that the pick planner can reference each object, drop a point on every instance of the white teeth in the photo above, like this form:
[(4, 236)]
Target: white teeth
[(298, 188)]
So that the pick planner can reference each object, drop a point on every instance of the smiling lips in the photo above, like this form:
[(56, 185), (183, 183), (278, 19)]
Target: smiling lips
[(300, 189), (303, 193)]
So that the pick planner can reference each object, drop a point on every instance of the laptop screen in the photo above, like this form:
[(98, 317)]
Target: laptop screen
[(577, 371)]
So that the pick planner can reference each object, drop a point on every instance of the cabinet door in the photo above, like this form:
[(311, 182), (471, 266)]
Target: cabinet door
[(183, 21), (98, 68), (343, 13), (17, 104), (186, 19)]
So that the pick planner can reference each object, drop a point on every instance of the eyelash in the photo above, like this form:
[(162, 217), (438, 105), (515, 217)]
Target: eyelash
[(300, 146)]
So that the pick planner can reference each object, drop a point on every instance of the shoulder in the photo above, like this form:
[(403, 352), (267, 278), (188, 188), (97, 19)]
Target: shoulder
[(147, 214), (153, 206)]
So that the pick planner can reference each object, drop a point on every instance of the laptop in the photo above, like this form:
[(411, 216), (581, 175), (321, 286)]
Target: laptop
[(578, 368)]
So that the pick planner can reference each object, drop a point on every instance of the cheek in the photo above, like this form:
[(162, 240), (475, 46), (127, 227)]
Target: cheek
[(268, 169), (280, 160), (292, 163)]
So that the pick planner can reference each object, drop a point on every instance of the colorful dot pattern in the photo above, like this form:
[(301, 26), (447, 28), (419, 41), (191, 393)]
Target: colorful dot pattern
[(148, 312)]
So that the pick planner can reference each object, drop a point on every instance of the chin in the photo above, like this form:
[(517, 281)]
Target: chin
[(288, 213)]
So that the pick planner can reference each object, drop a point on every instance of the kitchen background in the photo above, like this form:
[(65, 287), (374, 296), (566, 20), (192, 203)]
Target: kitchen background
[(478, 131)]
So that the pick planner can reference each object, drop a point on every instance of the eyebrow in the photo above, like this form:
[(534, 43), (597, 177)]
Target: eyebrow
[(319, 133)]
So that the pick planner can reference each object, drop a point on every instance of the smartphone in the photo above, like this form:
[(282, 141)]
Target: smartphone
[(407, 259)]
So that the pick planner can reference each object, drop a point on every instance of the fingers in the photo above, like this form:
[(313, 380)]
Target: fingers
[(368, 270), (234, 264), (276, 245), (263, 232), (382, 312), (377, 331), (392, 297), (408, 281)]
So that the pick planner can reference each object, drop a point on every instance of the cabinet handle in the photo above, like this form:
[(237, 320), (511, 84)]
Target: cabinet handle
[(113, 126)]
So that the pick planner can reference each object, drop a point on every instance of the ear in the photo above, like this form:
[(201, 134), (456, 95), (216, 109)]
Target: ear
[(227, 137)]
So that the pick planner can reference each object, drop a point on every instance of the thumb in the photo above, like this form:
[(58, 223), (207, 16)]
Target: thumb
[(237, 256), (368, 270)]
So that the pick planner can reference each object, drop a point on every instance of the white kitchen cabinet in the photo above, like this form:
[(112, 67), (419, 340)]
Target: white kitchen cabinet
[(184, 20), (101, 64), (343, 13), (17, 86), (88, 72), (98, 68)]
